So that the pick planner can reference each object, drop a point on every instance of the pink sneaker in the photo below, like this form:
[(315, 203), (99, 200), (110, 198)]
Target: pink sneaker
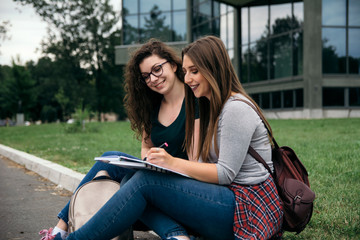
[(47, 234)]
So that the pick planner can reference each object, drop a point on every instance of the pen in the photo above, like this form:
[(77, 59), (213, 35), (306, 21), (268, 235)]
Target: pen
[(164, 145)]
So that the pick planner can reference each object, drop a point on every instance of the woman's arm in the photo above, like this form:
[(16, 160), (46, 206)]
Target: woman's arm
[(205, 172)]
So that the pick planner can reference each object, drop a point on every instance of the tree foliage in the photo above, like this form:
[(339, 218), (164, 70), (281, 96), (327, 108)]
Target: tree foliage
[(277, 53), (4, 28), (17, 94), (78, 67)]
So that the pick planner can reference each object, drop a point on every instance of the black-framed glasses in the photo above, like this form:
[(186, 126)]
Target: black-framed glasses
[(157, 71)]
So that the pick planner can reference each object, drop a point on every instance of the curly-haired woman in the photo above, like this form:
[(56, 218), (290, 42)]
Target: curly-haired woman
[(154, 100)]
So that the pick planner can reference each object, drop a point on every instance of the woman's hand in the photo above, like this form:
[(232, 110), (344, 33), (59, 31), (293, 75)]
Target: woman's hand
[(160, 157)]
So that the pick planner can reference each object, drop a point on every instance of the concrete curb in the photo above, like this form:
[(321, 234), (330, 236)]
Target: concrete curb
[(60, 175)]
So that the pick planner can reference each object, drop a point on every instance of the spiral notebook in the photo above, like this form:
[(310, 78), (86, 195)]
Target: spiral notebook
[(135, 163)]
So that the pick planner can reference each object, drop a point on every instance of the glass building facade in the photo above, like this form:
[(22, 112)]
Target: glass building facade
[(163, 19), (297, 59), (341, 50), (213, 18), (271, 48)]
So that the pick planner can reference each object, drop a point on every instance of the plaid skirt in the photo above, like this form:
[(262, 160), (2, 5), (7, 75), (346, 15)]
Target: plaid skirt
[(258, 212)]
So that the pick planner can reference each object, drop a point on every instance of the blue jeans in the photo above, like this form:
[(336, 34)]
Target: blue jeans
[(207, 209), (152, 217)]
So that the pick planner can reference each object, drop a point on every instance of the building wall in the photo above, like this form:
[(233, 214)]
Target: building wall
[(301, 88)]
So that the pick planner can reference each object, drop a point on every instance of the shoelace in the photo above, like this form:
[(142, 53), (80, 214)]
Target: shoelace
[(46, 234)]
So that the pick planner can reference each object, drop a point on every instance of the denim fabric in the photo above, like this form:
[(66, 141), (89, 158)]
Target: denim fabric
[(206, 209), (152, 218)]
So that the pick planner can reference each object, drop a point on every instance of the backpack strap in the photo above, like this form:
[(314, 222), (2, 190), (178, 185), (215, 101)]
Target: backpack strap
[(103, 174), (258, 158), (262, 119)]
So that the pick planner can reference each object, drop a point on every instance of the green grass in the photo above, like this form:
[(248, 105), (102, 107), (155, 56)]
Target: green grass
[(73, 150), (329, 148)]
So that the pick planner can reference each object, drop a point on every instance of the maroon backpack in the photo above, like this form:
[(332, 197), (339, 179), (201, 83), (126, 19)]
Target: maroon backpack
[(291, 179)]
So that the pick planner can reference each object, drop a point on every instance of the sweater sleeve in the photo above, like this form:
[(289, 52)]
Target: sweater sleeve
[(237, 124)]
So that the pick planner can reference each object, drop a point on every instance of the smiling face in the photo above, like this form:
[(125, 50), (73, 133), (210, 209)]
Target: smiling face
[(196, 81), (157, 81)]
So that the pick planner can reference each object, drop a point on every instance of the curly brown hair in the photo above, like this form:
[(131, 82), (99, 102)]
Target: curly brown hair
[(140, 101)]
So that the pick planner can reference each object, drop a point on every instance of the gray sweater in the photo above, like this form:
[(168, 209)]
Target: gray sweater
[(239, 125)]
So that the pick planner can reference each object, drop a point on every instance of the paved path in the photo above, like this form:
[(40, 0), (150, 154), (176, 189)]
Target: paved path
[(29, 203)]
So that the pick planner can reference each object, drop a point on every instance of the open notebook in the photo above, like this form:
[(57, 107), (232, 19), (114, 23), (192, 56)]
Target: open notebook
[(135, 163)]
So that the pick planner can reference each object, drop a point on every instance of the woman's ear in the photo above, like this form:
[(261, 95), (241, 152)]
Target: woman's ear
[(174, 67)]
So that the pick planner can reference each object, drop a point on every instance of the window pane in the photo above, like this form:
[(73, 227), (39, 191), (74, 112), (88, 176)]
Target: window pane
[(216, 9), (201, 14), (299, 97), (297, 53), (215, 27), (202, 30), (256, 98), (148, 5), (155, 25), (258, 22), (354, 95), (244, 64), (288, 99), (354, 13), (276, 99), (179, 5), (334, 59), (223, 29), (179, 26), (230, 29), (258, 61), (205, 8), (130, 6), (299, 11), (244, 26), (130, 32), (223, 8), (354, 51), (333, 97), (280, 57), (334, 12), (280, 18), (265, 100)]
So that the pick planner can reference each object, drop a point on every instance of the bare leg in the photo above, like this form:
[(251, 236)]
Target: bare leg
[(62, 225)]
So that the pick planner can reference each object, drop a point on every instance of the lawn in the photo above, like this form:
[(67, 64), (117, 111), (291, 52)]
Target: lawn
[(329, 148)]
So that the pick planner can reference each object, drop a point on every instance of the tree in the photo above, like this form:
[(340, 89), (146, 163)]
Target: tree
[(82, 39), (61, 86), (5, 76), (17, 93), (4, 28), (278, 53), (155, 26)]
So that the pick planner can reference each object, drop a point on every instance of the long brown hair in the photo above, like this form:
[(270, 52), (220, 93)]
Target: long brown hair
[(139, 99), (211, 59)]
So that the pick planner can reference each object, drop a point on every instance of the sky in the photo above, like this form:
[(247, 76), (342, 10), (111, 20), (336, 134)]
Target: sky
[(26, 32)]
